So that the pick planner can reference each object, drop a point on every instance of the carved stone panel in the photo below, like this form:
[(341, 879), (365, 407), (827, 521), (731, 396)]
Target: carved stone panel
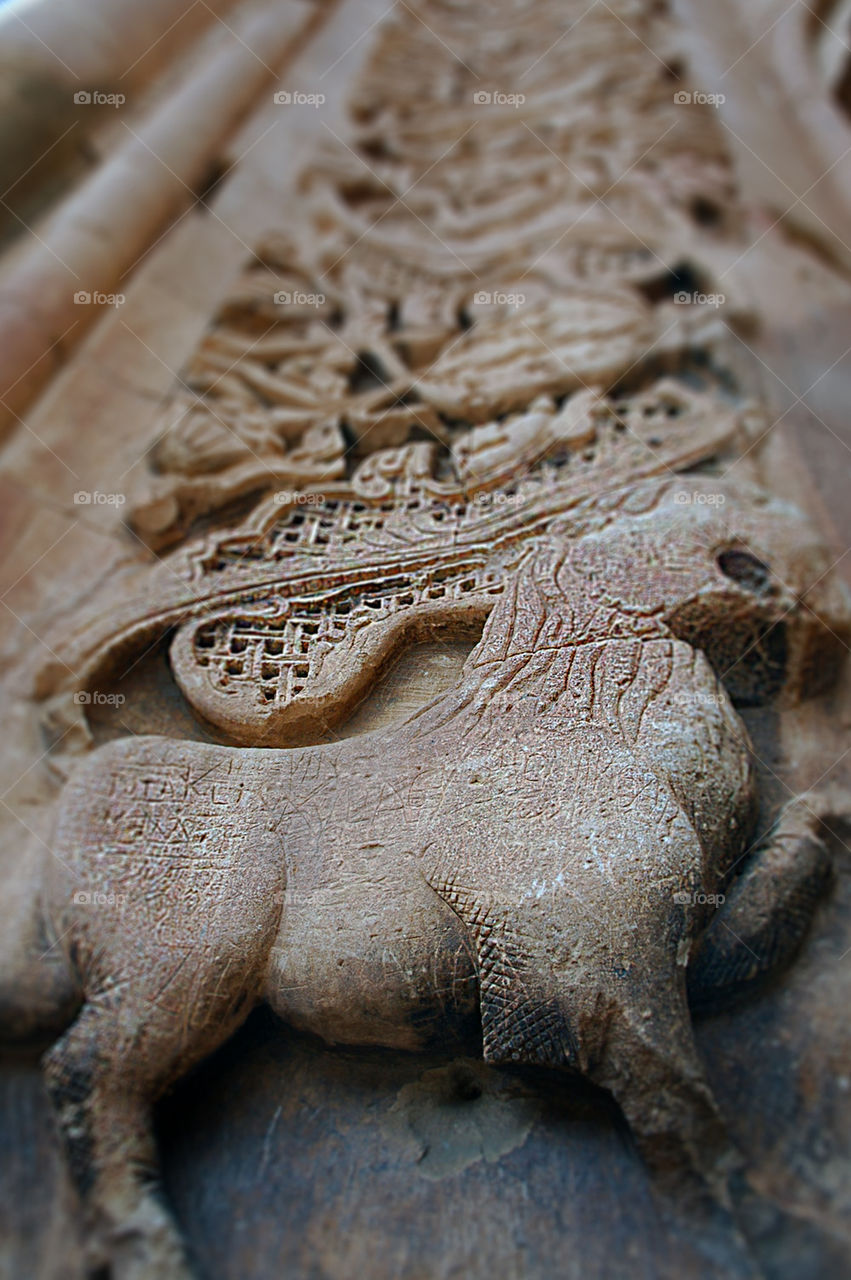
[(438, 846)]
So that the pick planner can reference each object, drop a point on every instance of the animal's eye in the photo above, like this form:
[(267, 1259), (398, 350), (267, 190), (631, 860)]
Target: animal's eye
[(745, 568)]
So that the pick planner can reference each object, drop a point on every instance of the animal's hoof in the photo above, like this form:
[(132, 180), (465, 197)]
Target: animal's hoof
[(148, 1252)]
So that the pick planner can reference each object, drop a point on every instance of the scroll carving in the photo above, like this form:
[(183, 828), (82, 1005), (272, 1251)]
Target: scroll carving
[(418, 291)]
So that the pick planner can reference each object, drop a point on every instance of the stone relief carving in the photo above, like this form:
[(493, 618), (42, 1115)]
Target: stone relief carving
[(282, 622), (560, 828), (417, 290), (561, 846)]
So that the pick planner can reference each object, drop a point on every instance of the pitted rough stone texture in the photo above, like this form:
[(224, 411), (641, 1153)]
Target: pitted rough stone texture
[(554, 851)]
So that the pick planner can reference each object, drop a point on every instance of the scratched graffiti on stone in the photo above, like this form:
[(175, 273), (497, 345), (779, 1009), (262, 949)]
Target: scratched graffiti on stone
[(559, 854), (549, 851)]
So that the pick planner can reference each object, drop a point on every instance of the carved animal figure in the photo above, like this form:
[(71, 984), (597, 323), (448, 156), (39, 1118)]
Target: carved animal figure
[(542, 848)]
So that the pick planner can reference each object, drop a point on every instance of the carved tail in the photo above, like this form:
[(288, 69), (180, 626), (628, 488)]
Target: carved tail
[(38, 993)]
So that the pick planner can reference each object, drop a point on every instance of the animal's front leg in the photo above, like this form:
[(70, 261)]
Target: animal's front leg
[(767, 912), (652, 1068)]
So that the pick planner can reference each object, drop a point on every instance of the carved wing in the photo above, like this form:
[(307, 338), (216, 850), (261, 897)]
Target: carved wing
[(404, 433), (282, 624)]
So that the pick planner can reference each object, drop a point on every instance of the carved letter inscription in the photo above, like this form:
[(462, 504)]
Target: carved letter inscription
[(460, 398)]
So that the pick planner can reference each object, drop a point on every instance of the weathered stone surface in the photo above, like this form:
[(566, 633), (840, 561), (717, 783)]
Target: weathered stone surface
[(450, 415)]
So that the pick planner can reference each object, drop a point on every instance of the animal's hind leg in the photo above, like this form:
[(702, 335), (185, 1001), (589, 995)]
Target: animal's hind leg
[(103, 1107), (128, 1044), (767, 912)]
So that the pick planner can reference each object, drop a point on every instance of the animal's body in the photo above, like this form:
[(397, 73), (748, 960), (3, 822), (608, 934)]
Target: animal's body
[(331, 886), (541, 850)]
